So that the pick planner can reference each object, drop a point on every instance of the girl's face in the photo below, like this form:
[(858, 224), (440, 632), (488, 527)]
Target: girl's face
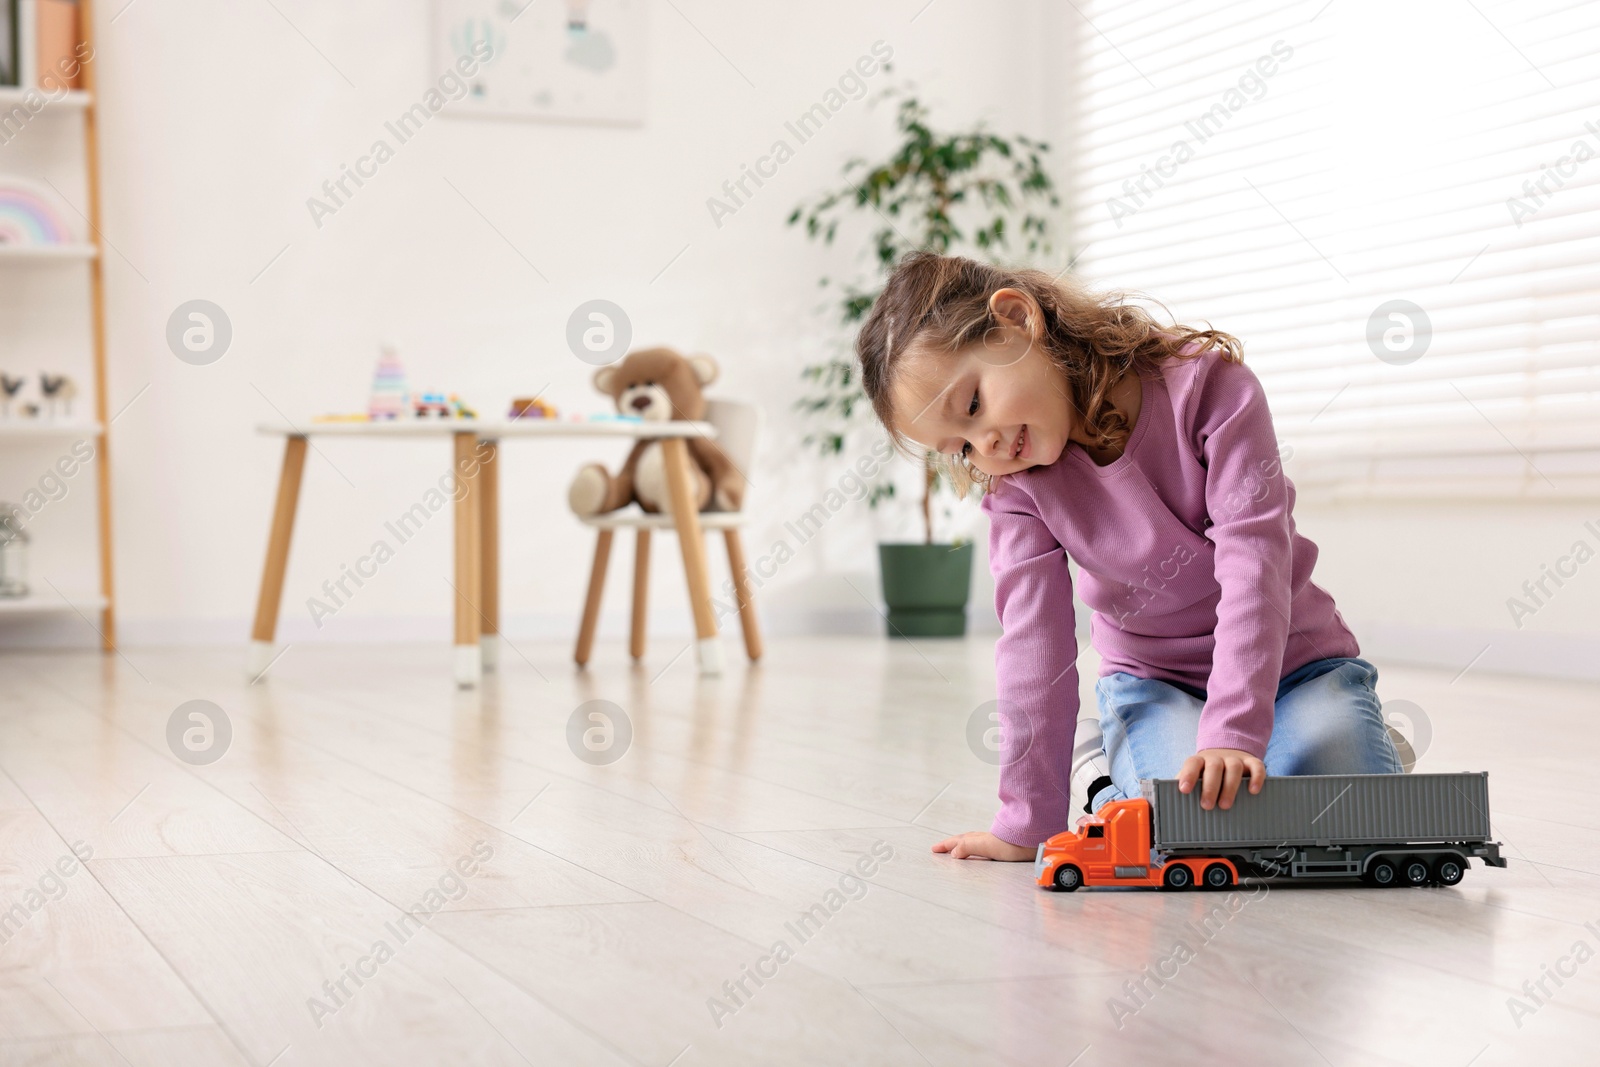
[(1001, 402)]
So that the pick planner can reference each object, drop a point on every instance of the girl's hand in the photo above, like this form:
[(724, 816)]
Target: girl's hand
[(982, 845), (1220, 769)]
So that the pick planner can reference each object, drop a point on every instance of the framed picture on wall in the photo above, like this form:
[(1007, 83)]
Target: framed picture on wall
[(568, 61), (10, 46)]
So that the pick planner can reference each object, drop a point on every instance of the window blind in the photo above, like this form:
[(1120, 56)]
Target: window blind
[(1393, 205)]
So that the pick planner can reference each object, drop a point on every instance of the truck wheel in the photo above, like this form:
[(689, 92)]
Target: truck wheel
[(1382, 873), (1068, 878), (1177, 877), (1414, 871), (1448, 870), (1218, 876)]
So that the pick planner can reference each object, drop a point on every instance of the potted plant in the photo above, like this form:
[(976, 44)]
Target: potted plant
[(967, 192)]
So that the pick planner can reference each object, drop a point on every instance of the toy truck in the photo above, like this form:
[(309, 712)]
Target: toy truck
[(1385, 829)]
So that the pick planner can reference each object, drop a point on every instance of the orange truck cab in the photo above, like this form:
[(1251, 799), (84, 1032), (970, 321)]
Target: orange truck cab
[(1114, 847)]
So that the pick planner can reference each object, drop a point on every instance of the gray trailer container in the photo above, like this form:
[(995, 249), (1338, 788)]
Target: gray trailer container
[(1388, 828)]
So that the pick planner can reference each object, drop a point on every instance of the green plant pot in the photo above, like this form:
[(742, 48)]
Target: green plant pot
[(925, 587)]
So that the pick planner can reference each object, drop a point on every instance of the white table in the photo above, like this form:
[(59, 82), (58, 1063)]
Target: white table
[(477, 523)]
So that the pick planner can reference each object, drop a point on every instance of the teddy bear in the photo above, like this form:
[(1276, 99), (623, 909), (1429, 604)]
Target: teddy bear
[(658, 384)]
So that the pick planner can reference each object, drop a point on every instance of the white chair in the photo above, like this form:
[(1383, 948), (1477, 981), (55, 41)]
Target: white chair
[(737, 424)]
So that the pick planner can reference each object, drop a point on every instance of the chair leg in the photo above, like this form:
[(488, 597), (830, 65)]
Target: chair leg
[(641, 591), (741, 585), (591, 606), (686, 520)]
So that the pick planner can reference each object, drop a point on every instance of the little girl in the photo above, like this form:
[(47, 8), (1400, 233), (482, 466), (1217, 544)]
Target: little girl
[(1147, 454)]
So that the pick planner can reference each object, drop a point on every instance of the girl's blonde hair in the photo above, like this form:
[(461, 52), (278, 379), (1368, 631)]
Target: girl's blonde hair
[(941, 303)]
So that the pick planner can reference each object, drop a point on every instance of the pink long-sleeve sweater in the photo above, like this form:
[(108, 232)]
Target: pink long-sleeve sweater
[(1187, 554)]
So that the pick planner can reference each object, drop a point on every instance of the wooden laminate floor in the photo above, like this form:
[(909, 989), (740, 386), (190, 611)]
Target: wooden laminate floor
[(568, 910)]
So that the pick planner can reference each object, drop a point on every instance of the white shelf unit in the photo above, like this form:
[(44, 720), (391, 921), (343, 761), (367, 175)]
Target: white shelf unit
[(76, 99), (37, 428), (48, 252), (36, 603), (16, 433)]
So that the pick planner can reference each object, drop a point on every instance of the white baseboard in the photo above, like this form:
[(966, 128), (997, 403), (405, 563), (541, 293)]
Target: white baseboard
[(1526, 652), (1543, 655), (53, 630), (545, 626)]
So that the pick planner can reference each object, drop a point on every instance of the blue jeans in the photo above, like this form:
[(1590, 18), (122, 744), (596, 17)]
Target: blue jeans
[(1326, 720)]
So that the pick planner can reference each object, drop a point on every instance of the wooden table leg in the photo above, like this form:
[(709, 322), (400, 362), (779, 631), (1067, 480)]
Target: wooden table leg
[(271, 595), (489, 519), (687, 520), (468, 565)]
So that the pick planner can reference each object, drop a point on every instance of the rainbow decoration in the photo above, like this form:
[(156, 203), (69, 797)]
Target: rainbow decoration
[(28, 218)]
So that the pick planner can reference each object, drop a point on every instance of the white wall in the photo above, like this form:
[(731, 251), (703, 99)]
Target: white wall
[(1429, 582), (220, 120)]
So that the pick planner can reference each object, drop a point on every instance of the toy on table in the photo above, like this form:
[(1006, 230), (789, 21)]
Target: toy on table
[(426, 404), (437, 405), (58, 392), (524, 407), (389, 391), (392, 399), (657, 385), (1386, 829)]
